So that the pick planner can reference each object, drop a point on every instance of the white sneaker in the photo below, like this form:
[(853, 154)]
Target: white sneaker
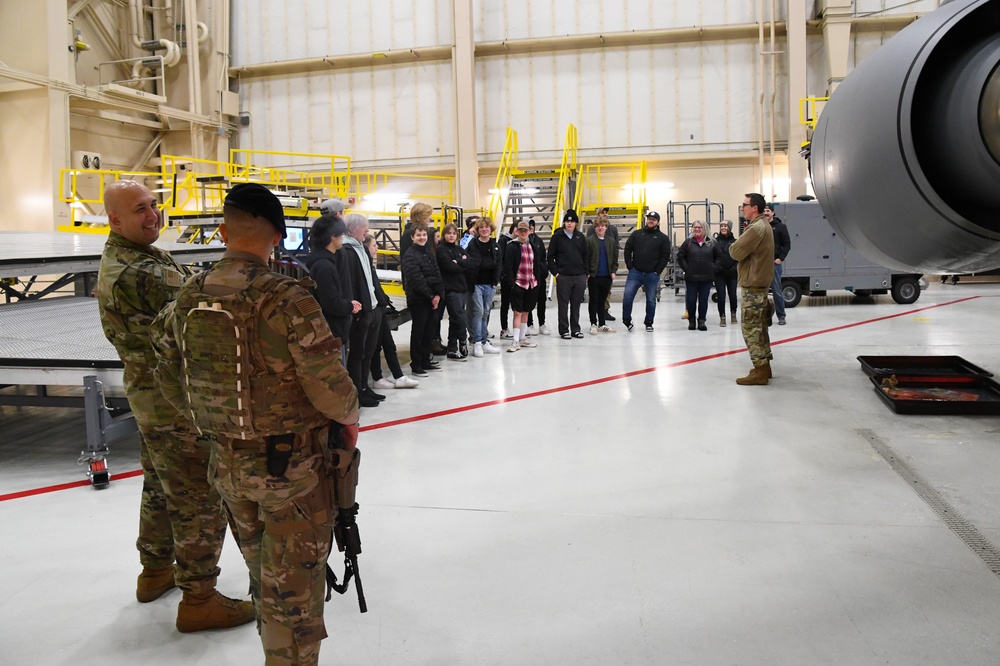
[(490, 349), (513, 347), (532, 330), (406, 382), (384, 384), (544, 330), (477, 350), (607, 329), (527, 344), (593, 330)]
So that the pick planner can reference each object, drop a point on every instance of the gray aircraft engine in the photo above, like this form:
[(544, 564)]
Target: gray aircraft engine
[(905, 159)]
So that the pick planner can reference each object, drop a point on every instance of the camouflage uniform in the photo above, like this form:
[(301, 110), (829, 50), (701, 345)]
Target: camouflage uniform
[(754, 250), (181, 515), (754, 308), (297, 384)]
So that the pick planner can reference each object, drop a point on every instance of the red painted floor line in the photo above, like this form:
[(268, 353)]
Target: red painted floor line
[(538, 394), (66, 486)]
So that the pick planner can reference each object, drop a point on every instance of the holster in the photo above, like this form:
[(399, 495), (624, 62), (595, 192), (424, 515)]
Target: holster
[(344, 471), (279, 452)]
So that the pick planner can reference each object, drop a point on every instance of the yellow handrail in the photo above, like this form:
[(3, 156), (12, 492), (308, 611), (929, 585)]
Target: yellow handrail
[(809, 110), (508, 163), (570, 164)]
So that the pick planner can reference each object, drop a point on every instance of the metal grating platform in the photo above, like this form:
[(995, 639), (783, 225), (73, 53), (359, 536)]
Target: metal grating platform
[(55, 341)]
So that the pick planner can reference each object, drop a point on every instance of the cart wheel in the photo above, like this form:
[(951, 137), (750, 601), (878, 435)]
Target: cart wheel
[(98, 473)]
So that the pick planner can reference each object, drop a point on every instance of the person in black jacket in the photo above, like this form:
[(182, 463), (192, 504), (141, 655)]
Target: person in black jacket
[(647, 253), (385, 346), (782, 244), (726, 273), (452, 261), (502, 241), (541, 274), (333, 289), (483, 274), (568, 264), (424, 293), (697, 257)]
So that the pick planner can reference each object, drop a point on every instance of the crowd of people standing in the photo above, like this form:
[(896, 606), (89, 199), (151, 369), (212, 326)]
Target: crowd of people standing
[(461, 273)]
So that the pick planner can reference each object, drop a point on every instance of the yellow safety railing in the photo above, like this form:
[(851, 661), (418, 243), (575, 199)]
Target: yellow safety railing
[(809, 110), (394, 188), (331, 179), (570, 165), (615, 186), (86, 186), (193, 185), (508, 164)]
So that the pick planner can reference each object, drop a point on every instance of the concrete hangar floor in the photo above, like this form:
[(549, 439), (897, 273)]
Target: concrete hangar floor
[(611, 500)]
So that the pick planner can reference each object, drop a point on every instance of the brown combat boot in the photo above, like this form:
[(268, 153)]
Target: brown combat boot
[(154, 583), (757, 377), (767, 368), (211, 610)]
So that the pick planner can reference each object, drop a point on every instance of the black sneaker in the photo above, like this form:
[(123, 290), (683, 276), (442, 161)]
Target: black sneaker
[(463, 349), (608, 317), (367, 401), (649, 328), (432, 366), (455, 356), (372, 394), (628, 326), (564, 336), (418, 372)]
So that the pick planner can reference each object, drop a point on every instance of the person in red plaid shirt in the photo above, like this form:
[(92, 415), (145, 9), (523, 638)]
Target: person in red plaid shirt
[(519, 272)]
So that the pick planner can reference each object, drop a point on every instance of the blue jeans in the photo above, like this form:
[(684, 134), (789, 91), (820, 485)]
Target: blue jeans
[(696, 296), (649, 282), (482, 301), (779, 299)]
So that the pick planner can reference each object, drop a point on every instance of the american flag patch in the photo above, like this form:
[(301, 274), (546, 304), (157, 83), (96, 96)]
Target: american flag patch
[(307, 305)]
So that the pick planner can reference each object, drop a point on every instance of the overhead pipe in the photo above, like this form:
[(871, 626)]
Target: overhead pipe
[(136, 12)]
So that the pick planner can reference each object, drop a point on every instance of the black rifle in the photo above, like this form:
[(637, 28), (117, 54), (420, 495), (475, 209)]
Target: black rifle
[(346, 531)]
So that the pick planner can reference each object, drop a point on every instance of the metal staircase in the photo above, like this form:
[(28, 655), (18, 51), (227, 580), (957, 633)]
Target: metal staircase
[(533, 195)]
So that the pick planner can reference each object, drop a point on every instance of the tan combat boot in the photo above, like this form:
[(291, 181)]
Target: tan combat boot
[(211, 610), (757, 377), (767, 367), (732, 319), (154, 583)]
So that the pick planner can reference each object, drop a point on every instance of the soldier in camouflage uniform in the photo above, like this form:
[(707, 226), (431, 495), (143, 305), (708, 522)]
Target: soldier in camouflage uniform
[(249, 355), (181, 516), (754, 250)]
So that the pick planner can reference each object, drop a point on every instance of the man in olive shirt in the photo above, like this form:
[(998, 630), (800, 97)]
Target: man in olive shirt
[(181, 517), (754, 250)]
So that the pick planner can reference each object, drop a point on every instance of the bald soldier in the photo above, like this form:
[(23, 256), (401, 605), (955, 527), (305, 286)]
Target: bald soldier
[(248, 354), (182, 522)]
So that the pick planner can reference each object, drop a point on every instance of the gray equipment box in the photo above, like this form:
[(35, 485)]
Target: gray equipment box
[(820, 260)]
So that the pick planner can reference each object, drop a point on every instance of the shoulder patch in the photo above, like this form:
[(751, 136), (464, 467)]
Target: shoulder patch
[(174, 279), (307, 305)]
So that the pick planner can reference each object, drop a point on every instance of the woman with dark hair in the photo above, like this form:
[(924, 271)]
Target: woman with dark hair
[(452, 260), (385, 345), (424, 293), (333, 286), (726, 273), (505, 238)]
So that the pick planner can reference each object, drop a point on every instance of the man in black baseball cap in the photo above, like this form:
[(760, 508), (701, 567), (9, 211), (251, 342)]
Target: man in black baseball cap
[(653, 214), (259, 201), (647, 253)]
